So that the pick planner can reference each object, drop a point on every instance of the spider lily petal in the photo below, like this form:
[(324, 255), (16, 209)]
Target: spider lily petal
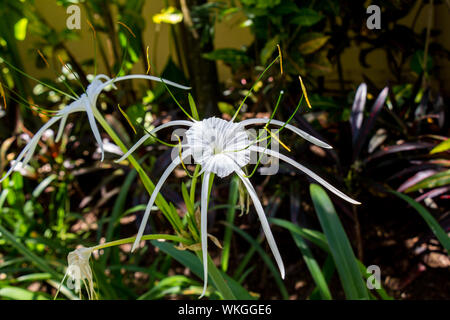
[(35, 140), (28, 151), (204, 229), (217, 145), (128, 77), (223, 147), (301, 133), (94, 128), (85, 103), (305, 170), (263, 219), (158, 186), (62, 124), (148, 135)]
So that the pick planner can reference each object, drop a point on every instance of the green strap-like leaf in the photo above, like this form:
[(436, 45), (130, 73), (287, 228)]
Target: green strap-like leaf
[(442, 236), (313, 267), (441, 147), (254, 243), (190, 261), (341, 250), (39, 262), (233, 197), (436, 180)]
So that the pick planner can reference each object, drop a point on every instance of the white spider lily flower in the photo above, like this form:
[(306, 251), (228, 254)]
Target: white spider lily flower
[(79, 271), (85, 103), (223, 147)]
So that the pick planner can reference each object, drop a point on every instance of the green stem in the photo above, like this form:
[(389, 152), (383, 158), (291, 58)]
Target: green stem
[(148, 184), (232, 199), (146, 237), (193, 183), (214, 273)]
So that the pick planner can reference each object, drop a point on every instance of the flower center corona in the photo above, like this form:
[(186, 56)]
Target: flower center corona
[(218, 145)]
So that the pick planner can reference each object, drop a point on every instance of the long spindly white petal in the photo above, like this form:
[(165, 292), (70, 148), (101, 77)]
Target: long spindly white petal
[(136, 76), (151, 78), (296, 130), (101, 76), (148, 135), (61, 127), (37, 137), (263, 219), (204, 229), (33, 145), (94, 128), (28, 151), (17, 160), (158, 186), (305, 170)]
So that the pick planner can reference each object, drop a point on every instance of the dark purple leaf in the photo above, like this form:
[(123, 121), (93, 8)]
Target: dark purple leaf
[(407, 146), (370, 122), (357, 110), (377, 139), (433, 193), (439, 108), (439, 179), (419, 176), (416, 166)]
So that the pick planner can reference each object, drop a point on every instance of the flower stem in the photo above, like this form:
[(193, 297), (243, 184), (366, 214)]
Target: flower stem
[(146, 237), (193, 183), (148, 184), (214, 273)]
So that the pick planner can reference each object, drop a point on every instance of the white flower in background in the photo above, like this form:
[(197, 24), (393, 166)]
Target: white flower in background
[(223, 147), (85, 103), (79, 271)]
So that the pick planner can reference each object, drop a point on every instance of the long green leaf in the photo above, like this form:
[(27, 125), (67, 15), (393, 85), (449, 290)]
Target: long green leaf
[(311, 263), (254, 243), (327, 271), (169, 285), (193, 107), (341, 250), (320, 240), (190, 261), (297, 234), (21, 294), (313, 267), (442, 236), (39, 262), (232, 199), (382, 293), (441, 147), (34, 277), (316, 237), (436, 180)]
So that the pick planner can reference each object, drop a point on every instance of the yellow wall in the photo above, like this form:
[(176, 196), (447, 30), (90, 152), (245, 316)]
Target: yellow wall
[(378, 70), (229, 34)]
